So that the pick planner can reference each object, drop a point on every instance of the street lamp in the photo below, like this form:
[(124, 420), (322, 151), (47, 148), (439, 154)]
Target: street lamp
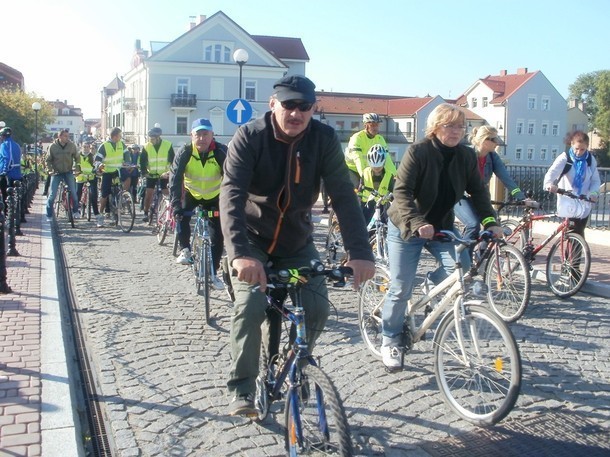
[(36, 107), (240, 56)]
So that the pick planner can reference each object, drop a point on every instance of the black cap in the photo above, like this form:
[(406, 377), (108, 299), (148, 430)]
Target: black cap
[(295, 87)]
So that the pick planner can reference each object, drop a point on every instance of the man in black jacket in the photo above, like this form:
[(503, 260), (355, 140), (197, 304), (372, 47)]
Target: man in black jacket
[(271, 182)]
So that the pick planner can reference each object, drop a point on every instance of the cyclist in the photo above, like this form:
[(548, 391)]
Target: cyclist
[(110, 157), (375, 177), (87, 174), (359, 145), (156, 158), (432, 177), (62, 158), (484, 139), (130, 175), (271, 182), (10, 162), (576, 171), (198, 165)]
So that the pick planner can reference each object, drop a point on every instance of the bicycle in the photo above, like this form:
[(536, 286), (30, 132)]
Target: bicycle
[(156, 201), (165, 222), (569, 259), (121, 206), (335, 253), (86, 208), (314, 417), (477, 363), (64, 202), (378, 227)]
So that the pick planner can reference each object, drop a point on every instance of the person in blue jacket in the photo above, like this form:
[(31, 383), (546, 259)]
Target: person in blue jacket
[(10, 161), (484, 139)]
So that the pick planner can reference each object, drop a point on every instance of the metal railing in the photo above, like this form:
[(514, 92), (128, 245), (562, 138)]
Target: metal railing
[(530, 178), (183, 100)]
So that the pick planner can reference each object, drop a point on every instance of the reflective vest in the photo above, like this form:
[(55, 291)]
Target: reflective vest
[(367, 180), (203, 182), (26, 167), (358, 148), (114, 157), (86, 170), (157, 160)]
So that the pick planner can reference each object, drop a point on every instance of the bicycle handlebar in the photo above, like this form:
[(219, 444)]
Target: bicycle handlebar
[(567, 193), (286, 278), (528, 203)]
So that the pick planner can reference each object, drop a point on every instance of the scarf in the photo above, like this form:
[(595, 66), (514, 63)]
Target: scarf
[(580, 167)]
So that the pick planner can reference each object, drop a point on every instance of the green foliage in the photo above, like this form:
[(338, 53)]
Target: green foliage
[(17, 113)]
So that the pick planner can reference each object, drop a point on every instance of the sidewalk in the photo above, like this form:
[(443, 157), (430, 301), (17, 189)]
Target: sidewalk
[(36, 405)]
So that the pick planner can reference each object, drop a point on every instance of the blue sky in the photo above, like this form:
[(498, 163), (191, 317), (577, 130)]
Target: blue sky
[(390, 47)]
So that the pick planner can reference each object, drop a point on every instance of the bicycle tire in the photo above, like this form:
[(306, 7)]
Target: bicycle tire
[(162, 222), (69, 208), (335, 252), (383, 258), (509, 283), (205, 278), (126, 211), (484, 389), (262, 401), (196, 243), (370, 304), (568, 265), (314, 407), (89, 208)]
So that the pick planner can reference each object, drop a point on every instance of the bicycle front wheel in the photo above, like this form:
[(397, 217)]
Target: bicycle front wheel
[(370, 305), (315, 420), (126, 211), (568, 265), (508, 280), (480, 382), (203, 283)]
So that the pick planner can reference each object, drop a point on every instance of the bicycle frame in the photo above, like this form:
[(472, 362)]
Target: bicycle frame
[(527, 224)]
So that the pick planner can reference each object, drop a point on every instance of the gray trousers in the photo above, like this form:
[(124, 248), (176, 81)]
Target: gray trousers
[(249, 315)]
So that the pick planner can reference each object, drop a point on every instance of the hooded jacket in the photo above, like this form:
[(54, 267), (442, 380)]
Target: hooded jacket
[(270, 185)]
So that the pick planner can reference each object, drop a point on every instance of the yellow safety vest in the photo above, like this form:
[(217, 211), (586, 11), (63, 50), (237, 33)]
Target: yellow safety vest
[(157, 160), (203, 182), (367, 179), (86, 170), (114, 157), (358, 148)]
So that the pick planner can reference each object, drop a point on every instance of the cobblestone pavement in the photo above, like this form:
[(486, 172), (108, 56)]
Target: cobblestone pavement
[(161, 371)]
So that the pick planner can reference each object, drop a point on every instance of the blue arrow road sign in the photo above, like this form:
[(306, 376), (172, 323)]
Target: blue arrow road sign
[(239, 111)]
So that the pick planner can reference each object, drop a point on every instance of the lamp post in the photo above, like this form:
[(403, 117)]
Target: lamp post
[(240, 56), (36, 107)]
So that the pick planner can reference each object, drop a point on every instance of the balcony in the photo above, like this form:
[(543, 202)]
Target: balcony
[(183, 101), (129, 104)]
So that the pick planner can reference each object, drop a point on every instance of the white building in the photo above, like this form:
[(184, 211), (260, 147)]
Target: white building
[(66, 117)]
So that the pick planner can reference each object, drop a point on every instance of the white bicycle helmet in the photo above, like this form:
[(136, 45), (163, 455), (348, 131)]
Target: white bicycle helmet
[(376, 156), (370, 117)]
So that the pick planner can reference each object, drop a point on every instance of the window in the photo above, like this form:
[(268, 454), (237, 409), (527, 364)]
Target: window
[(543, 151), (181, 125), (250, 90), (355, 126), (519, 127), (531, 128), (531, 102), (485, 103), (544, 129), (555, 129), (545, 104), (182, 86), (530, 153), (409, 128), (474, 102), (554, 153), (518, 153), (340, 125), (217, 52)]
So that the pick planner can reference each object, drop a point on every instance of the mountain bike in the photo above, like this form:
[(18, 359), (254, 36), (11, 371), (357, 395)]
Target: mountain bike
[(121, 206), (64, 203), (569, 260), (477, 364), (314, 417)]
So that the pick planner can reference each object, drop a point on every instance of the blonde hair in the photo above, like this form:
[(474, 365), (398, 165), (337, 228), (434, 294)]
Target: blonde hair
[(443, 114), (480, 134)]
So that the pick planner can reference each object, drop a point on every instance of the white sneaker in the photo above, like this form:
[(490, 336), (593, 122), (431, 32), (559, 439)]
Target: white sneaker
[(217, 283), (185, 257), (100, 220), (392, 356), (76, 215)]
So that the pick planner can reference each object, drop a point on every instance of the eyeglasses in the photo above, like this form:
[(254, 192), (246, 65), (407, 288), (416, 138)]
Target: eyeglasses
[(291, 105), (494, 139), (453, 127)]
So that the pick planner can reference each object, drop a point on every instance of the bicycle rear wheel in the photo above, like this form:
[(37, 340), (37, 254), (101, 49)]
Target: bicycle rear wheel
[(568, 265), (126, 211), (508, 280), (372, 295), (162, 221), (68, 207), (315, 420), (482, 384)]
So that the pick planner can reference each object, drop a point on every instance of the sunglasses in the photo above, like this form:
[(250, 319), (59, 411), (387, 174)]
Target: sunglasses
[(493, 140), (291, 105)]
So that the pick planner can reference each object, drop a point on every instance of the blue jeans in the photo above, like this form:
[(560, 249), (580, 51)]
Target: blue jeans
[(465, 212), (403, 259), (68, 178)]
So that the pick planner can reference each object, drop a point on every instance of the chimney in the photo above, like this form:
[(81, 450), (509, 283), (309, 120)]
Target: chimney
[(191, 22), (202, 18), (503, 72), (522, 71), (138, 45)]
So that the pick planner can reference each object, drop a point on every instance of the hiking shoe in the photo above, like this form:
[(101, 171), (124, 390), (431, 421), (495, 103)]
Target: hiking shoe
[(392, 356), (99, 220), (185, 257), (217, 283), (242, 405)]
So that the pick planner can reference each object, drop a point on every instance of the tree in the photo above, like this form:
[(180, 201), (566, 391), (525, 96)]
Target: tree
[(17, 113)]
